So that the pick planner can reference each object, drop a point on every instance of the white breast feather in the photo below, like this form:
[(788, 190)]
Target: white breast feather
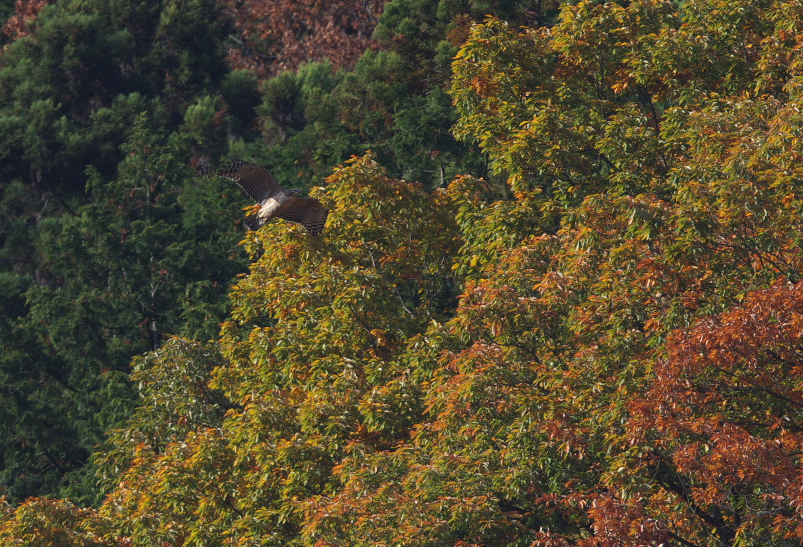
[(270, 205)]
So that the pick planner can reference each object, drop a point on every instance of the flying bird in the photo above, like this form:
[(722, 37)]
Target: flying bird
[(272, 200)]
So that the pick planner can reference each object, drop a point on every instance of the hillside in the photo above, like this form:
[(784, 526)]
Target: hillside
[(556, 301)]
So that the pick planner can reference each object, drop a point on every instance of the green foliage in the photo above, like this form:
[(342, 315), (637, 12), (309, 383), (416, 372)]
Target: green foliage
[(393, 103), (315, 119), (321, 374), (107, 240), (136, 261), (6, 9), (598, 346), (240, 90), (51, 523), (175, 401), (80, 62), (604, 359)]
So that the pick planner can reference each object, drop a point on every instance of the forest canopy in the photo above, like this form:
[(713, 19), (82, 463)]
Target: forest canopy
[(556, 301)]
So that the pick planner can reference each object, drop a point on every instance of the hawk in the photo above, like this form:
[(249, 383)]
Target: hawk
[(273, 201)]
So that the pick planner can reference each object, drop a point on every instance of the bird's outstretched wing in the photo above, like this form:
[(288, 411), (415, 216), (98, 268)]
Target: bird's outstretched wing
[(306, 211), (256, 181)]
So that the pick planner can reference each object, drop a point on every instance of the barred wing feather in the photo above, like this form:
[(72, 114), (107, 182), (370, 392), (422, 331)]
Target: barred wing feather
[(305, 211), (257, 182)]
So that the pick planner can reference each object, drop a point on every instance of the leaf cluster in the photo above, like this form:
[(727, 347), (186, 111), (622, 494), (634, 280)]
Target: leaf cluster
[(598, 346)]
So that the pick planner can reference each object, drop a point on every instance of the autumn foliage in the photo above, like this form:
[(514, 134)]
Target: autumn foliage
[(276, 36), (25, 12), (599, 343)]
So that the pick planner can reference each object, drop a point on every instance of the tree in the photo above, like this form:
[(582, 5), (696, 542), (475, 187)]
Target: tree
[(107, 239), (392, 100), (24, 13), (273, 37), (314, 358), (603, 352), (44, 522), (641, 205)]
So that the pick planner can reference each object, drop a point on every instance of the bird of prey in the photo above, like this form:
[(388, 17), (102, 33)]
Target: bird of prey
[(272, 200)]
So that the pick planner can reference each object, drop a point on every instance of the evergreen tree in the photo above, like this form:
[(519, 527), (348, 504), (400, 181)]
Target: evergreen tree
[(394, 102), (108, 238), (606, 352), (620, 367)]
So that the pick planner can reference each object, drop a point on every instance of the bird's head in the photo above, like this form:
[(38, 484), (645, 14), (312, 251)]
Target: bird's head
[(293, 193)]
